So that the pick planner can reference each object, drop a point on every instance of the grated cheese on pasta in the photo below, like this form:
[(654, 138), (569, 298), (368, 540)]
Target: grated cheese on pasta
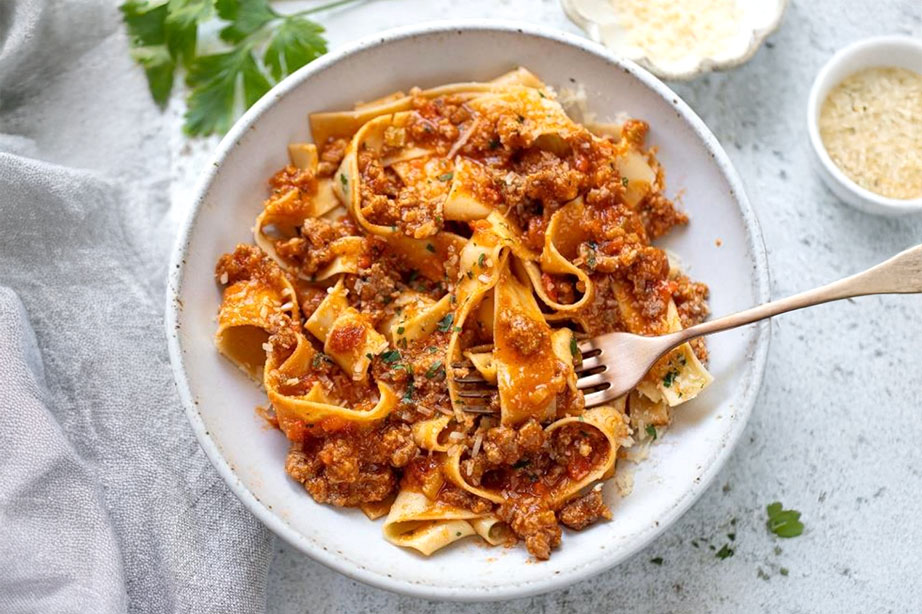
[(871, 126)]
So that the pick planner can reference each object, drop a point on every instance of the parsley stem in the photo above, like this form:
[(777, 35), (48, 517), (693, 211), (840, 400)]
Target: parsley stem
[(324, 7)]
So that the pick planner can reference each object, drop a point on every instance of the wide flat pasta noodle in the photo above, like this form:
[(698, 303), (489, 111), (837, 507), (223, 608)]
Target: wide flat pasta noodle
[(348, 336), (315, 406), (417, 522), (251, 310), (608, 420)]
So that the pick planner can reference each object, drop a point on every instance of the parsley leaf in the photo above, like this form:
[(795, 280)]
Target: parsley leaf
[(657, 560), (146, 24), (669, 378), (435, 370), (159, 67), (574, 348), (782, 522), (446, 322), (725, 552), (247, 17), (651, 431), (213, 79), (390, 356), (264, 46), (182, 19), (295, 43)]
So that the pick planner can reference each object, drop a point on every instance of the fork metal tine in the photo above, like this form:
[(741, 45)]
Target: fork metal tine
[(477, 393), (591, 381)]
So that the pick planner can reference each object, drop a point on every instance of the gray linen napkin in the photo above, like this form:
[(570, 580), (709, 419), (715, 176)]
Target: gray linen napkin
[(107, 503)]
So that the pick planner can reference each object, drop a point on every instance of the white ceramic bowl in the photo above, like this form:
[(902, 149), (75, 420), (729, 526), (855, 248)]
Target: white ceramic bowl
[(759, 18), (220, 400), (895, 51)]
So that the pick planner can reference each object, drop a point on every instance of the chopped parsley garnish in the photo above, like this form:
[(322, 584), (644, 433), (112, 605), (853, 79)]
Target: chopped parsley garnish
[(402, 342), (400, 330), (470, 274), (390, 356), (408, 394), (651, 431), (657, 560), (435, 370), (625, 181), (731, 536), (369, 356), (446, 176), (343, 180), (494, 144), (481, 259), (669, 378), (574, 349), (782, 522), (591, 259), (432, 349), (783, 571), (457, 533), (430, 247), (446, 322), (521, 119), (319, 359), (725, 552)]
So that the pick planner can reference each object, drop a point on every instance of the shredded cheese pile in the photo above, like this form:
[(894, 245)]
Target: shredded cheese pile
[(871, 125), (671, 30)]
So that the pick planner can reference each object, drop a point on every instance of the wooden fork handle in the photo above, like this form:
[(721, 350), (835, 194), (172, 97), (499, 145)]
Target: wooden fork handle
[(901, 274)]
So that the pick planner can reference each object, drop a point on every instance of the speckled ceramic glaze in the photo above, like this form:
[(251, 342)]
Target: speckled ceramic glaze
[(722, 247)]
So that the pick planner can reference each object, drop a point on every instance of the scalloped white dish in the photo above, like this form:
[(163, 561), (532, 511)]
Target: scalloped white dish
[(735, 36), (722, 247)]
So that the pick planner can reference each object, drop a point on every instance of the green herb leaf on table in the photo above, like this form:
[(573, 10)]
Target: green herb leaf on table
[(246, 17), (213, 80), (181, 24), (725, 552), (296, 42), (782, 522), (264, 47), (146, 24)]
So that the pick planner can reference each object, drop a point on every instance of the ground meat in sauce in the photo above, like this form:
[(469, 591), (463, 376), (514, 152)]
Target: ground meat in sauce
[(537, 525), (582, 512), (346, 465)]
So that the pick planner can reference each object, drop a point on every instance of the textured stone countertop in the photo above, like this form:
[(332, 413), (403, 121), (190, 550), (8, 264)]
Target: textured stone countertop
[(837, 427)]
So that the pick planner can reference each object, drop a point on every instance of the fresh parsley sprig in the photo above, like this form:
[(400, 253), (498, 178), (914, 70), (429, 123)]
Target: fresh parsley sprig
[(262, 47)]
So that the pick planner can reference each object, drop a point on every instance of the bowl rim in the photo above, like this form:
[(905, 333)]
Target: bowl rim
[(705, 64), (822, 82), (743, 408)]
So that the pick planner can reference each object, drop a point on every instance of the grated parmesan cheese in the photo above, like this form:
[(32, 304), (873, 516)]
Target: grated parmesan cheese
[(670, 30), (871, 126)]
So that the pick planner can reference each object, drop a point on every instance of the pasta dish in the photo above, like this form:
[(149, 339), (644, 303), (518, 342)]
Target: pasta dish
[(472, 229)]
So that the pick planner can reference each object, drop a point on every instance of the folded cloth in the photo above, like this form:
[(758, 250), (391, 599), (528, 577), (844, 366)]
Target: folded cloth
[(107, 503)]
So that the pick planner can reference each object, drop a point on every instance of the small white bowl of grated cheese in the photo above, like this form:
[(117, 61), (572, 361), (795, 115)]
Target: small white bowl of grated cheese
[(864, 116), (679, 40)]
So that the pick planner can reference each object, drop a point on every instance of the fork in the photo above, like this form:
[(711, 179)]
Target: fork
[(634, 355)]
